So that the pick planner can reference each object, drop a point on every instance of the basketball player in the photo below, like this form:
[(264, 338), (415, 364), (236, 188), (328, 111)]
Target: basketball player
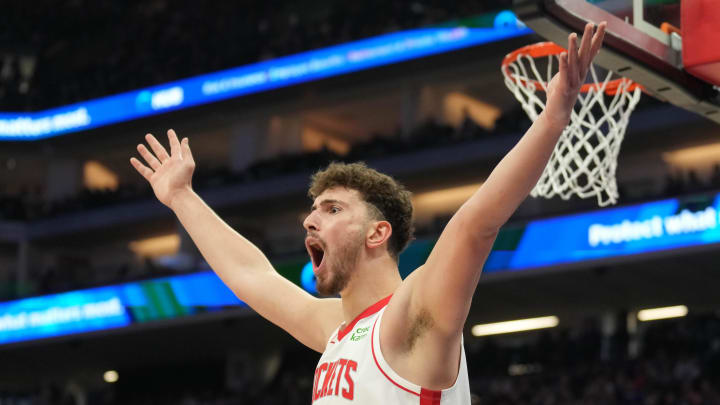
[(385, 340)]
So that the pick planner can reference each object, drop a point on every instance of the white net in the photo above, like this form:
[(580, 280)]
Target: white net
[(585, 158)]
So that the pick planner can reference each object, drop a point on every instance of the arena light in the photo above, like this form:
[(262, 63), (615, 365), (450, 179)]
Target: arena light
[(519, 325), (156, 246), (652, 314), (430, 203), (97, 176), (459, 106), (111, 376), (700, 158)]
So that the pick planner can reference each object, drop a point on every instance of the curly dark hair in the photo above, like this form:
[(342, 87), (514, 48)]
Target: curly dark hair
[(388, 199)]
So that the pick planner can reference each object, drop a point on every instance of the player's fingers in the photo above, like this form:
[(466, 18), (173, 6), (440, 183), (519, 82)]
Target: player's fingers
[(149, 157), (597, 39), (572, 59), (159, 150), (186, 152), (584, 51), (175, 149), (145, 171), (563, 66)]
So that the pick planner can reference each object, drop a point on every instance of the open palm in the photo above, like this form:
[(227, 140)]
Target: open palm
[(564, 87), (168, 174)]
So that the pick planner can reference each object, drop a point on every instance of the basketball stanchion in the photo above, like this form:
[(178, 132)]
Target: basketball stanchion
[(584, 160)]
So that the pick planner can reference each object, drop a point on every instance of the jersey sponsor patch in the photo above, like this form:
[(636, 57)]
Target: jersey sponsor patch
[(359, 333)]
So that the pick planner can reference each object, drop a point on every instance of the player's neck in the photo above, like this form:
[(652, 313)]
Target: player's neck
[(373, 280)]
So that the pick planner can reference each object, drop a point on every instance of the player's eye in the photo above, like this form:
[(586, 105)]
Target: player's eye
[(334, 209)]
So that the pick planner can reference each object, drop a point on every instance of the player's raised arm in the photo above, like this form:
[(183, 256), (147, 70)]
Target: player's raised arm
[(239, 263), (442, 289)]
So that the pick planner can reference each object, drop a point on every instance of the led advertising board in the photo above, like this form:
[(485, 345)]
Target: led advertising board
[(112, 307), (602, 234), (608, 233), (254, 78)]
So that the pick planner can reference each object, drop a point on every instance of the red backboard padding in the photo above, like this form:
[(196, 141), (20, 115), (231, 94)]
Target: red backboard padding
[(700, 22)]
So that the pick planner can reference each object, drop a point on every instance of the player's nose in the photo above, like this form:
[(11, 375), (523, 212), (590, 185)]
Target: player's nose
[(310, 223)]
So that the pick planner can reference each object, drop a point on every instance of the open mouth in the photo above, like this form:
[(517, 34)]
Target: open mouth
[(316, 252)]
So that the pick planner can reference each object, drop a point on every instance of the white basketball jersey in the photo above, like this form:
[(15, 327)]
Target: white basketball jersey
[(352, 370)]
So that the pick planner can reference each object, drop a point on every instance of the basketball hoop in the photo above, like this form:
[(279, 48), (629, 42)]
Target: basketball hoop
[(585, 158)]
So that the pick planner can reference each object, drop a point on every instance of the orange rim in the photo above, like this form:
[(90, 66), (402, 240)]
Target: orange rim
[(550, 48)]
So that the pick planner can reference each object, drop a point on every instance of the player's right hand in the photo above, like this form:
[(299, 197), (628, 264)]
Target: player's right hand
[(168, 175)]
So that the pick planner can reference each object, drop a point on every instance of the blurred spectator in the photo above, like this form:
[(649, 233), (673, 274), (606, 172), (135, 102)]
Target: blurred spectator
[(28, 204), (679, 365)]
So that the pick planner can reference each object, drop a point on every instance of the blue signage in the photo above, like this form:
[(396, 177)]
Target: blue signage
[(622, 231), (62, 314), (614, 232), (254, 78), (113, 306)]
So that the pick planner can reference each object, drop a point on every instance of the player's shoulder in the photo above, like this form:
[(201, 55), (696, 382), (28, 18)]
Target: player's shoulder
[(331, 307), (403, 294), (398, 310), (329, 313), (407, 317)]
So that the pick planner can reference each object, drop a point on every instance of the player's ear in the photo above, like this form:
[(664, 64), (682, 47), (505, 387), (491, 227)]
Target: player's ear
[(378, 233)]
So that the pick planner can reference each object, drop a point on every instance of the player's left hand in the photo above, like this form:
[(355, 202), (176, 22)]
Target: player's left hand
[(564, 87)]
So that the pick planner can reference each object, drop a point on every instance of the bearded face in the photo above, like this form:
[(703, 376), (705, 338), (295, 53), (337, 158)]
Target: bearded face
[(337, 264), (336, 238)]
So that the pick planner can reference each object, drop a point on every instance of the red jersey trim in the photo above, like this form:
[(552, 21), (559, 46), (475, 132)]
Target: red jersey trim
[(427, 396), (372, 347), (364, 314), (430, 397)]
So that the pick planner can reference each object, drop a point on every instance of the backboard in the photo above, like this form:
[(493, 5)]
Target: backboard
[(642, 43)]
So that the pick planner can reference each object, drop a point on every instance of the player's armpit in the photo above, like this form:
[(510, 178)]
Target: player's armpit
[(416, 342), (445, 284), (441, 290)]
